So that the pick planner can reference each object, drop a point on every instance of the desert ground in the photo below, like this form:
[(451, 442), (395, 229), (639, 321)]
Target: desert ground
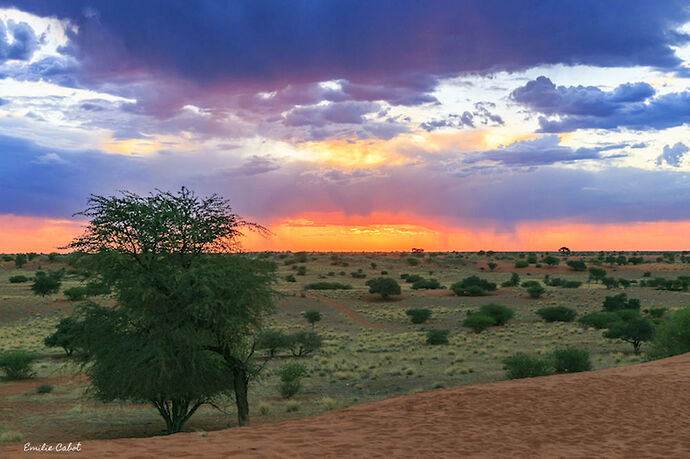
[(375, 387)]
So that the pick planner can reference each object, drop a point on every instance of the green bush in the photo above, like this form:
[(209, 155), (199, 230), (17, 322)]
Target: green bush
[(272, 340), (523, 366), (500, 314), (571, 284), (672, 337), (17, 364), (358, 275), (46, 284), (44, 389), (312, 316), (303, 343), (75, 293), (521, 264), (385, 286), (465, 286), (620, 301), (657, 313), (557, 314), (291, 379), (301, 270), (327, 286), (418, 316), (576, 265), (530, 283), (426, 284), (635, 331), (513, 282), (412, 278), (599, 320), (478, 322), (18, 279), (412, 261), (436, 336), (570, 360), (535, 291), (290, 278)]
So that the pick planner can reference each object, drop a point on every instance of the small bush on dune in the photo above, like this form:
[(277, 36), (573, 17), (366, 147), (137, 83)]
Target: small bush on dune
[(327, 286), (571, 284), (17, 364), (513, 282), (557, 314), (478, 322), (418, 316), (44, 389), (523, 366), (656, 313), (576, 265), (385, 286), (291, 379), (435, 336), (412, 261), (412, 278), (290, 278), (18, 279), (426, 284), (472, 286), (599, 320), (500, 314), (570, 360), (535, 291), (11, 436), (75, 293), (521, 264), (620, 301), (530, 283)]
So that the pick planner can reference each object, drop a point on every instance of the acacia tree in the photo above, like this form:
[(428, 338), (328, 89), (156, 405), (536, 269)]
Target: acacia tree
[(186, 308)]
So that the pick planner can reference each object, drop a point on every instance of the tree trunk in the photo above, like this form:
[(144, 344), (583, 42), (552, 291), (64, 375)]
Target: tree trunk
[(241, 381)]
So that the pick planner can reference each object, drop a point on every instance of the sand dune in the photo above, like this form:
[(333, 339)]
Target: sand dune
[(637, 411)]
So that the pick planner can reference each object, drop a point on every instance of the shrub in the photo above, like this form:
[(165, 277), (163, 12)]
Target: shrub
[(327, 403), (11, 436), (17, 364), (530, 283), (418, 316), (492, 265), (521, 264), (657, 313), (291, 406), (68, 336), (301, 270), (620, 301), (426, 284), (18, 279), (272, 340), (327, 286), (571, 284), (464, 286), (478, 322), (412, 261), (358, 275), (264, 408), (500, 314), (610, 282), (385, 286), (599, 320), (45, 284), (20, 260), (97, 288), (312, 316), (672, 337), (551, 260), (523, 366), (570, 360), (596, 274), (576, 265), (436, 336), (557, 314), (412, 278), (290, 278), (291, 379), (44, 389), (513, 282), (535, 291), (75, 293)]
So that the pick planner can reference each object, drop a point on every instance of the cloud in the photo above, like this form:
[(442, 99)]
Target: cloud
[(337, 113), (50, 158), (672, 155), (18, 41), (481, 115), (257, 165), (631, 106), (542, 151)]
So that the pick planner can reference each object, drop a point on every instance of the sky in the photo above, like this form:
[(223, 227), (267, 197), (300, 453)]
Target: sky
[(355, 125)]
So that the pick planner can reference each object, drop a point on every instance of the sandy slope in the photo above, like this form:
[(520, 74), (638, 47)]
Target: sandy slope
[(636, 411)]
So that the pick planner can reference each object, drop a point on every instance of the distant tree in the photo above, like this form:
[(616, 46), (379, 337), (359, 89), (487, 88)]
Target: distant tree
[(418, 316), (610, 282), (20, 260), (672, 337), (551, 260), (492, 265), (620, 301), (596, 274), (535, 291), (46, 284), (312, 316), (565, 251), (634, 331), (513, 282), (69, 335), (385, 286)]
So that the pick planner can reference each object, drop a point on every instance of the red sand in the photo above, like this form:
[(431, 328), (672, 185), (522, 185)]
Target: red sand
[(637, 411)]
